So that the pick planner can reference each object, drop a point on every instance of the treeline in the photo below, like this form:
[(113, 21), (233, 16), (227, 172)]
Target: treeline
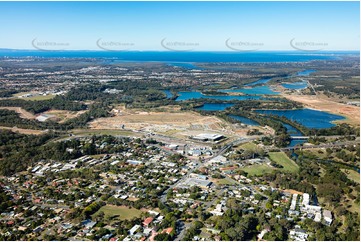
[(95, 111), (58, 102), (339, 129), (7, 93), (18, 151), (10, 118)]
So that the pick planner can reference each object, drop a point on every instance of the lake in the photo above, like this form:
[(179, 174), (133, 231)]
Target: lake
[(260, 81), (307, 117), (244, 120), (168, 93), (295, 85), (305, 73), (215, 106), (183, 96), (259, 90)]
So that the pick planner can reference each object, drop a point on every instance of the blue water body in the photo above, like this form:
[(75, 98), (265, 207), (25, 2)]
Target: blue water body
[(244, 120), (292, 130), (194, 94), (295, 85), (305, 73), (260, 81), (215, 106), (296, 142), (168, 93), (259, 90), (178, 56), (307, 117)]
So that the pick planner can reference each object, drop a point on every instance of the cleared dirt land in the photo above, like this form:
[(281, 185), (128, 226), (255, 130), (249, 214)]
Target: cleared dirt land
[(352, 113), (22, 112), (63, 115), (24, 131), (168, 122)]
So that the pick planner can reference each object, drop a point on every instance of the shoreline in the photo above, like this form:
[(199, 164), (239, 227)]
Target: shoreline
[(350, 113)]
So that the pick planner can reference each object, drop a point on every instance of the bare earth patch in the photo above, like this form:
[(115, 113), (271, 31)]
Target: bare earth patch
[(171, 123), (22, 112), (62, 116), (352, 113), (24, 131)]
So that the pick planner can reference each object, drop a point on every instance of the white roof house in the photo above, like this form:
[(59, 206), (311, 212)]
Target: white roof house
[(305, 199), (327, 216), (134, 229)]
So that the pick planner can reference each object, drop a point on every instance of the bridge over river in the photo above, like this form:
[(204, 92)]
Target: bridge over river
[(300, 137)]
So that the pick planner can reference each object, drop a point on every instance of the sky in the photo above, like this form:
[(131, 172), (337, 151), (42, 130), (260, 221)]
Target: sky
[(198, 26)]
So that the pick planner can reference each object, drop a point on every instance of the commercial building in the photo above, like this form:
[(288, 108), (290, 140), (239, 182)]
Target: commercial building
[(208, 137)]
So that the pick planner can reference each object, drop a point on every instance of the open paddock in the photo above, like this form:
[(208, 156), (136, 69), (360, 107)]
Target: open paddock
[(122, 212)]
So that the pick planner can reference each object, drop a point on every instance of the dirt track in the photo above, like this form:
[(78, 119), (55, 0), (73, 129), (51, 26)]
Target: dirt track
[(24, 131), (23, 113)]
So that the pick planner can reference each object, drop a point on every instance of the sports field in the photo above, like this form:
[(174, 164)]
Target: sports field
[(122, 212)]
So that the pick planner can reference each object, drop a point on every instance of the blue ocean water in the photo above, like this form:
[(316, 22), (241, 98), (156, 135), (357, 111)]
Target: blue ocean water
[(185, 65), (171, 56), (183, 96), (244, 120), (307, 117), (215, 106)]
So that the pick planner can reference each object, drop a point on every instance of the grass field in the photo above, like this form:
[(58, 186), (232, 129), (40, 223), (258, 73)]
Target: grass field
[(283, 160), (34, 98), (121, 211), (256, 170), (248, 146), (352, 175), (39, 98)]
